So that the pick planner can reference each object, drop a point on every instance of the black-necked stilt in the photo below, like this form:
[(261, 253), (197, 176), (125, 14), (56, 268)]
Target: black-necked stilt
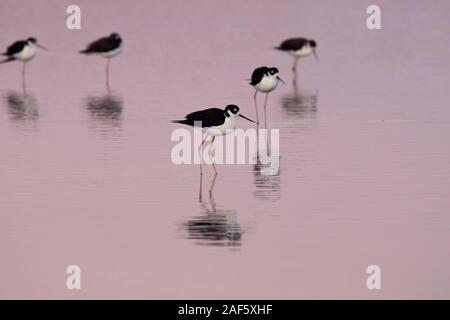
[(107, 47), (298, 48), (22, 50), (214, 122), (264, 79)]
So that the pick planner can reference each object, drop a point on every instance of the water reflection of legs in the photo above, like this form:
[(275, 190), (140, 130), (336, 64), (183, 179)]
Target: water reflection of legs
[(300, 104), (22, 107), (214, 227), (212, 201), (267, 172), (106, 110)]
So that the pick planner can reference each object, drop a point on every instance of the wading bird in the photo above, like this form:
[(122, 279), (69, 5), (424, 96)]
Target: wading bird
[(22, 50), (107, 47), (264, 79), (214, 122), (298, 48)]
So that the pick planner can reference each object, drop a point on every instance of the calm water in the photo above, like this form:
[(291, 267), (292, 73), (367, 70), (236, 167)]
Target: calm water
[(86, 178)]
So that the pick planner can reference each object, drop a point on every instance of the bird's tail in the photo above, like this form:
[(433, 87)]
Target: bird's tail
[(7, 60), (84, 51)]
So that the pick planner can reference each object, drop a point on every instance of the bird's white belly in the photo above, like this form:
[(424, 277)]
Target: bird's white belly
[(27, 53), (303, 52), (223, 129), (267, 84), (112, 53)]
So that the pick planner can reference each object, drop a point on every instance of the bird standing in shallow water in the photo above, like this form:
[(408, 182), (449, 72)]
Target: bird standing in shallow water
[(214, 122), (107, 47), (22, 50), (298, 48), (264, 80)]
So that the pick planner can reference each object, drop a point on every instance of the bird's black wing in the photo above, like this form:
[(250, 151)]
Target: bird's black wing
[(16, 47), (102, 45), (209, 117), (293, 44), (258, 74)]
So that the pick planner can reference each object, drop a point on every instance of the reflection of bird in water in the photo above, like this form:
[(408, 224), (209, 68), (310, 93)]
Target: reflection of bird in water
[(267, 178), (215, 227), (106, 110), (300, 104), (22, 107)]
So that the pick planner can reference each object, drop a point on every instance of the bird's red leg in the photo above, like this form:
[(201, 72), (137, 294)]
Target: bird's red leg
[(108, 60), (200, 191), (265, 113), (201, 152), (256, 107), (294, 69), (24, 86), (210, 156)]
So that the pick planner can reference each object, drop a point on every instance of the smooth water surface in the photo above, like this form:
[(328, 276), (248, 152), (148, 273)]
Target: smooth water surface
[(86, 178)]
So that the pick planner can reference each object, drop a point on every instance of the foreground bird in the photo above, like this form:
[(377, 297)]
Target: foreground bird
[(107, 47), (298, 48), (264, 79), (22, 50), (214, 122)]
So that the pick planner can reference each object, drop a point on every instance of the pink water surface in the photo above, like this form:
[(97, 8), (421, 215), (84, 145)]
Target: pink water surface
[(364, 177)]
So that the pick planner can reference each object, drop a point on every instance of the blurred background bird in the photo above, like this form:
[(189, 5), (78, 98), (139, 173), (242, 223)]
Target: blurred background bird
[(106, 47), (298, 48)]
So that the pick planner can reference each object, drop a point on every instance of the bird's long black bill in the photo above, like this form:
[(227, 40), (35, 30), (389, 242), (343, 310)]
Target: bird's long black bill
[(315, 55), (240, 115), (281, 80), (42, 47)]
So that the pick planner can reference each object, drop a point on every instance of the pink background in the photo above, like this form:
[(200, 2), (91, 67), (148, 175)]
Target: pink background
[(364, 179)]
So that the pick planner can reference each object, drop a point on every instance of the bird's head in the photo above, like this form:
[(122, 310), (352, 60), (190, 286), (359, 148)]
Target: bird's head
[(313, 46), (115, 36), (31, 40), (273, 73), (232, 111)]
